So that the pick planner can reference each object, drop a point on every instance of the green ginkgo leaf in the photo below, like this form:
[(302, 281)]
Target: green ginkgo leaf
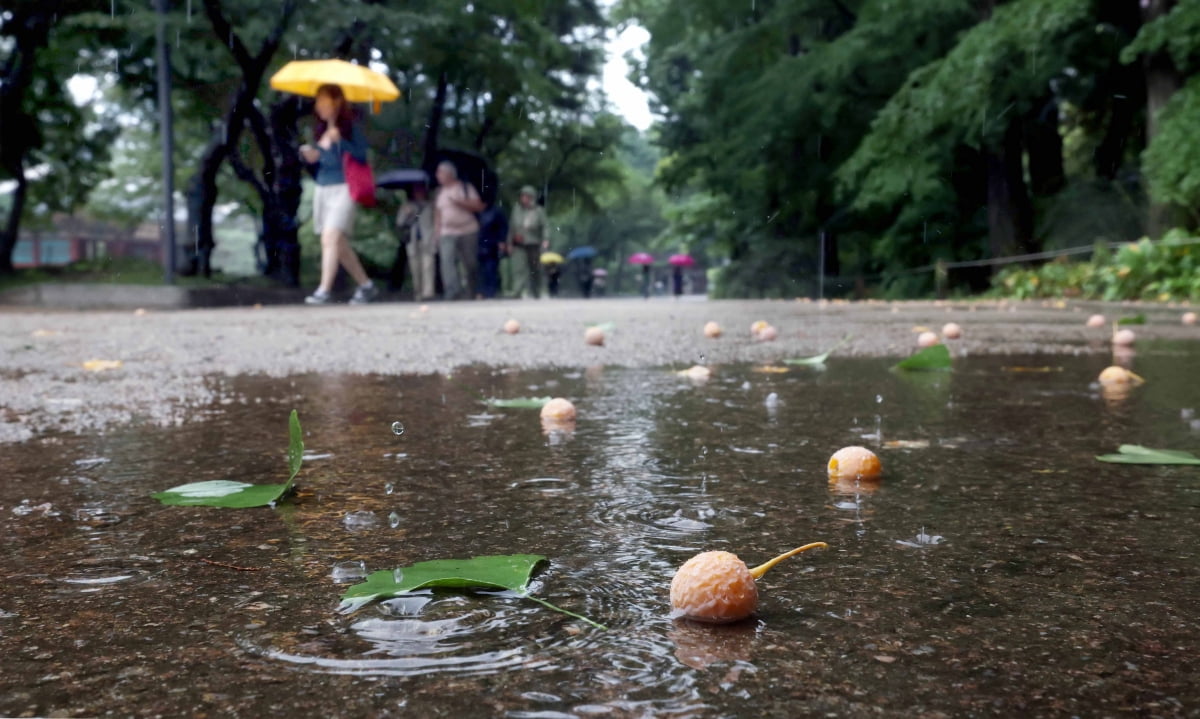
[(518, 402), (817, 359), (932, 358), (240, 495), (506, 571), (1136, 454), (1134, 320), (605, 327)]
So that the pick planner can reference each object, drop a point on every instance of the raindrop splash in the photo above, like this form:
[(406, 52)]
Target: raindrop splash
[(350, 571), (389, 488), (394, 520), (397, 428)]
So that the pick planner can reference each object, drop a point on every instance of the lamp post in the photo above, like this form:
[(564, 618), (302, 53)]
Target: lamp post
[(166, 131)]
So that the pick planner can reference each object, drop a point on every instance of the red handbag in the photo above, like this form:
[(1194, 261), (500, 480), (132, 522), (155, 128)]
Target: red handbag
[(359, 179)]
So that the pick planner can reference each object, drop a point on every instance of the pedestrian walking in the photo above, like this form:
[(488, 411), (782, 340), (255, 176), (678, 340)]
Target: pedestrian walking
[(338, 133), (527, 238), (457, 229)]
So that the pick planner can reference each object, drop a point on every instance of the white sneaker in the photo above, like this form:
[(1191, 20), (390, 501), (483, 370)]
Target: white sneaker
[(318, 298)]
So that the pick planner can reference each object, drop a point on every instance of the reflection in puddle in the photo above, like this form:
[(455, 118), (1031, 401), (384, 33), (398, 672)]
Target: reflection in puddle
[(652, 472)]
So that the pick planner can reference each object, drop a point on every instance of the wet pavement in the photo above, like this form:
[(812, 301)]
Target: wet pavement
[(171, 363), (996, 570)]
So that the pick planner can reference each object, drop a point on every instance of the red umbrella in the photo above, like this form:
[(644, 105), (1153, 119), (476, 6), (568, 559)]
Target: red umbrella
[(681, 260), (641, 258)]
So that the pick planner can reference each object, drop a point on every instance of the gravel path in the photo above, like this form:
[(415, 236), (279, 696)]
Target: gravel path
[(168, 359)]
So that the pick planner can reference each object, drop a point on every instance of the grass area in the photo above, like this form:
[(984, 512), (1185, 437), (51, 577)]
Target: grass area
[(121, 270)]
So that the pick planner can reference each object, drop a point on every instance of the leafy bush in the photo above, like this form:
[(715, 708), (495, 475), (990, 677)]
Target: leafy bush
[(1164, 271)]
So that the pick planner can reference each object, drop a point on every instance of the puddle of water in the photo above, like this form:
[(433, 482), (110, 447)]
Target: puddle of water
[(995, 569)]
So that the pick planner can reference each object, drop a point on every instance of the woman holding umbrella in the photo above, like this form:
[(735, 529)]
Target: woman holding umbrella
[(337, 133)]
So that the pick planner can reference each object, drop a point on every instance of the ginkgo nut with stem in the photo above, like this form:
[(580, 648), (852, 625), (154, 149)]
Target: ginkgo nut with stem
[(719, 588)]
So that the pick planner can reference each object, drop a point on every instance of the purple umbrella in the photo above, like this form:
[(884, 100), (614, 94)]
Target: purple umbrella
[(681, 260), (641, 258)]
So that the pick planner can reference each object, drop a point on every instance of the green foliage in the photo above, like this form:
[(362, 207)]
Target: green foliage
[(240, 495), (511, 572), (995, 72), (932, 358), (1164, 271), (1136, 454), (817, 359), (1172, 159), (518, 402)]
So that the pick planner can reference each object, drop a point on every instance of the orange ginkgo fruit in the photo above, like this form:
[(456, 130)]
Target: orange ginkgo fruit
[(718, 587), (854, 463), (558, 409)]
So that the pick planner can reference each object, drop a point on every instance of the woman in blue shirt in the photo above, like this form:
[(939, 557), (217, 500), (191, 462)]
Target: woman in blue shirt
[(333, 209)]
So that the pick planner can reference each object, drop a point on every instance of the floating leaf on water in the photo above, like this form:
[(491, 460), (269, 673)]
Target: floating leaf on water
[(518, 402), (1136, 454), (936, 357), (818, 359), (907, 444), (240, 495), (99, 365), (1039, 370), (1134, 320), (507, 571), (770, 369)]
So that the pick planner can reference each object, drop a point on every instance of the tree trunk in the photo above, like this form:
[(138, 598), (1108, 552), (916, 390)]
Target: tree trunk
[(202, 198), (1045, 149), (1125, 86), (280, 228), (1162, 81), (18, 129), (1010, 213)]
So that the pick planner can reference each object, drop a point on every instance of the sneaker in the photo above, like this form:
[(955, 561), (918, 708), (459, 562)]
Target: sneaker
[(364, 294), (318, 298)]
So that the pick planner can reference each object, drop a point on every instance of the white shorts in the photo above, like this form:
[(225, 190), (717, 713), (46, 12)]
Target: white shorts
[(333, 208)]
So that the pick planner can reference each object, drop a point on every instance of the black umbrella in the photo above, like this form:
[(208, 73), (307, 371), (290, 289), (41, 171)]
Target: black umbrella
[(475, 170), (403, 178)]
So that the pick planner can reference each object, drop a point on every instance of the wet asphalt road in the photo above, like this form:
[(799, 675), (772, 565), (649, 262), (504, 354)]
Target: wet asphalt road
[(169, 359)]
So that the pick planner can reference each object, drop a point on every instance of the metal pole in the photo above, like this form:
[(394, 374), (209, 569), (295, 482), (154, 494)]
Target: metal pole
[(166, 130)]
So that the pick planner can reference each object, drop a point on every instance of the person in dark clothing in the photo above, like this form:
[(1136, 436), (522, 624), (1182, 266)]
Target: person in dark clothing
[(493, 233), (553, 273), (584, 274), (677, 278), (646, 281)]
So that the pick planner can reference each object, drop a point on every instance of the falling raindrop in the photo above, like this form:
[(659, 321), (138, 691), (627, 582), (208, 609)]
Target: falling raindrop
[(772, 400), (397, 428), (878, 399), (394, 520), (397, 575), (389, 488)]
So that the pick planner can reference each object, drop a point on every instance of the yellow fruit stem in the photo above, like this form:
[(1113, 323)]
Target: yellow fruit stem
[(762, 569)]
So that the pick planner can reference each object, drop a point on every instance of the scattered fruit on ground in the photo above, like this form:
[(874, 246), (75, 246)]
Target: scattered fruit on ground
[(854, 463)]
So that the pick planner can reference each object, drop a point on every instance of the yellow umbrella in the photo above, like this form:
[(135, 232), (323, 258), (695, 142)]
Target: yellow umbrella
[(360, 84), (551, 258)]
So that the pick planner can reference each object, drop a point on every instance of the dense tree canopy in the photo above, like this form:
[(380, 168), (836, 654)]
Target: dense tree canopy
[(849, 141), (882, 135)]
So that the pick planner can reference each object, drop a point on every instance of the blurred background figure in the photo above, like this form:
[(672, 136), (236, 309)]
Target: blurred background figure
[(417, 250), (493, 234), (526, 240)]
